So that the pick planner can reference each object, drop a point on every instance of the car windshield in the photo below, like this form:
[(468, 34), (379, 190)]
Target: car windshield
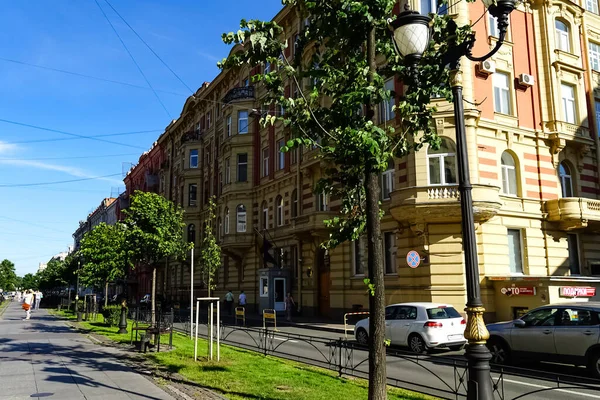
[(442, 313)]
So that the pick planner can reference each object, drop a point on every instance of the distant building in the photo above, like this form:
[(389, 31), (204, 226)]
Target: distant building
[(60, 256), (106, 212)]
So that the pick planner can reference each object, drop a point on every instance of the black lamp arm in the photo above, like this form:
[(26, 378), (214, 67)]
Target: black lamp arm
[(502, 28)]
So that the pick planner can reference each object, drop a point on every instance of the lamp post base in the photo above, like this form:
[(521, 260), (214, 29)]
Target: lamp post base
[(479, 385), (123, 321)]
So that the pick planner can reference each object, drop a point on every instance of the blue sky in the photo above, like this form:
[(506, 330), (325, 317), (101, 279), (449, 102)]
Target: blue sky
[(37, 222)]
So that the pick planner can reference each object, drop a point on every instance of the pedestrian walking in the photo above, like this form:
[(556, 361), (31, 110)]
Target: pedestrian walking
[(242, 299), (229, 302), (27, 302), (289, 306), (38, 299)]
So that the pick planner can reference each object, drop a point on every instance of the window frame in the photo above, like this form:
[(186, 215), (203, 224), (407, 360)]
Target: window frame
[(194, 155), (281, 158), (242, 116), (573, 238), (265, 162), (241, 219), (322, 202), (505, 172), (562, 37), (228, 122), (226, 222), (279, 213), (567, 177), (387, 180), (192, 202), (521, 257), (240, 165), (592, 6), (389, 255), (569, 113), (294, 211), (442, 164), (502, 92), (355, 262), (265, 215), (228, 170), (386, 107)]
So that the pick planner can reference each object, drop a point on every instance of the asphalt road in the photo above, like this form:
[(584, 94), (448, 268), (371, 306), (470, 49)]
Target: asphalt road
[(438, 373)]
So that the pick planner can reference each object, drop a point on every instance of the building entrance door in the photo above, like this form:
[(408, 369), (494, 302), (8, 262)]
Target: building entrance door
[(279, 294), (324, 282)]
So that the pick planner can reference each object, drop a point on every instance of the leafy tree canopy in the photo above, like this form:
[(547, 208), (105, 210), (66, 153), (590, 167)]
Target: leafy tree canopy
[(8, 277), (29, 281)]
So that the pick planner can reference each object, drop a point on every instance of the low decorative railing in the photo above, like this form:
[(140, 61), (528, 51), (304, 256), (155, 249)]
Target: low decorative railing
[(239, 93), (443, 192)]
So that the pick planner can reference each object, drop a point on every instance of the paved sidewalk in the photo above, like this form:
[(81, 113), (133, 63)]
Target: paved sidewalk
[(44, 358)]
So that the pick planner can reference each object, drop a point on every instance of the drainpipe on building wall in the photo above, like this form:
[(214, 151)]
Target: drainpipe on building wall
[(591, 105), (299, 197)]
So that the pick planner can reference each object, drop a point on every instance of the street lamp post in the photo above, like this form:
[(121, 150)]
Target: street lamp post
[(411, 37)]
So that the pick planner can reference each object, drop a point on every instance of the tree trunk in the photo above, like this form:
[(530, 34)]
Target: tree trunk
[(377, 361), (106, 294), (153, 299)]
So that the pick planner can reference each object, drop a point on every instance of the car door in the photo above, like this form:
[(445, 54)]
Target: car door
[(405, 318), (536, 338), (576, 331), (390, 316)]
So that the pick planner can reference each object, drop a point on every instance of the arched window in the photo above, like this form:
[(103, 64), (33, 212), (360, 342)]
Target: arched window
[(509, 174), (563, 41), (387, 181), (241, 218), (566, 180), (279, 214), (442, 163), (191, 233), (226, 223), (294, 203), (265, 215)]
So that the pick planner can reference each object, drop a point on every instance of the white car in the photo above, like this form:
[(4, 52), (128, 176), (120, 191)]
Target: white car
[(420, 326)]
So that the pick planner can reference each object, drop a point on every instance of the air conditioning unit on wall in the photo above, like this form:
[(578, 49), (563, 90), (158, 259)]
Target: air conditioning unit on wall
[(526, 80), (487, 67)]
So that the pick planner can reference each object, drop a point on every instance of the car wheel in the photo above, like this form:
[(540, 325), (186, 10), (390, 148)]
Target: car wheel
[(500, 351), (416, 344), (362, 337), (457, 348), (594, 364)]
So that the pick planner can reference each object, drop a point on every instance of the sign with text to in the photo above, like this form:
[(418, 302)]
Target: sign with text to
[(576, 291), (518, 291)]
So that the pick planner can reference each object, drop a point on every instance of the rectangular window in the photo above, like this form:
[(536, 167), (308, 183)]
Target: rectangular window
[(241, 220), (246, 82), (228, 126), (568, 100), (192, 194), (594, 54), (208, 115), (264, 287), (501, 81), (194, 158), (207, 155), (573, 244), (242, 122), (265, 217), (357, 258), (427, 7), (227, 172), (281, 159), (515, 257), (242, 167), (296, 41), (265, 162), (592, 6), (387, 184), (386, 108), (294, 155), (389, 252), (493, 23), (322, 202)]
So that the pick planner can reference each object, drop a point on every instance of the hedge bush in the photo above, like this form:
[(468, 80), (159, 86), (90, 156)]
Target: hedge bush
[(112, 315)]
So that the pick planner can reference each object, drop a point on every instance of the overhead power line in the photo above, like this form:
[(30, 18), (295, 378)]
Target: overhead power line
[(62, 71), (86, 137), (29, 223), (133, 59), (149, 48), (69, 133), (56, 182), (71, 158)]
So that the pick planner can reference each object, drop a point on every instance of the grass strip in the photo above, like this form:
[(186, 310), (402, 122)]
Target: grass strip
[(243, 374)]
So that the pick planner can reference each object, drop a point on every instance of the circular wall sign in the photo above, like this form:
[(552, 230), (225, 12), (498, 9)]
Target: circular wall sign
[(413, 259)]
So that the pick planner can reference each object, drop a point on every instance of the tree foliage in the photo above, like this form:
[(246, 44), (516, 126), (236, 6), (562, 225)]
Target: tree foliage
[(8, 277), (210, 252), (30, 281), (55, 275), (154, 229), (105, 255)]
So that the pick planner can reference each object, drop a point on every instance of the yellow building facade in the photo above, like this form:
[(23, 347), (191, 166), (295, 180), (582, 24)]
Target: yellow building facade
[(532, 134)]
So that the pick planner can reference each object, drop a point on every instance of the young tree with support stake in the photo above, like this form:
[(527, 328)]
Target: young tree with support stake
[(210, 252), (106, 256), (154, 233), (345, 52)]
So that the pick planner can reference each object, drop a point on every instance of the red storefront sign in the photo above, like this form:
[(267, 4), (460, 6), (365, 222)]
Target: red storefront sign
[(576, 291), (518, 291)]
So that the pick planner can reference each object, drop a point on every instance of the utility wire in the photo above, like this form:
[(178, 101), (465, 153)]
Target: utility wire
[(32, 224), (87, 76), (70, 158), (78, 138), (149, 48), (68, 133), (133, 59), (56, 182)]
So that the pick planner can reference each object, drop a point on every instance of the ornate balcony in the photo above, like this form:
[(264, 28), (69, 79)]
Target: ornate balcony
[(191, 136), (239, 93), (236, 245), (312, 222), (419, 204), (573, 212)]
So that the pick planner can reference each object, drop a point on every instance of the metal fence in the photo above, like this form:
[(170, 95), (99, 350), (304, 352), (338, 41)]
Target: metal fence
[(441, 376)]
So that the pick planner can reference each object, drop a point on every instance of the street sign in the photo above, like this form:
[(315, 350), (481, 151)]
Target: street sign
[(518, 291), (575, 291), (413, 259)]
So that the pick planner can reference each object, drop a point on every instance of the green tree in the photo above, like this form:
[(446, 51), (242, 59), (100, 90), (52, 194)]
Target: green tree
[(8, 277), (105, 256), (154, 232), (210, 252), (346, 53), (29, 281), (55, 275)]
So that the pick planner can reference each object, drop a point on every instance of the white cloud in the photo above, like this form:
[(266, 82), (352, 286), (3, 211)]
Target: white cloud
[(7, 148), (73, 171)]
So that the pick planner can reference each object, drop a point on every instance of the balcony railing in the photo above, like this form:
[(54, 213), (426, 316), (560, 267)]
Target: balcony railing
[(239, 93), (573, 212), (191, 136)]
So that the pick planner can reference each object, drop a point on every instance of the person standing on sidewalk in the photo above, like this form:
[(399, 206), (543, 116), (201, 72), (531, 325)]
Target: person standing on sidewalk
[(38, 298), (27, 301), (289, 306), (229, 302), (242, 299)]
